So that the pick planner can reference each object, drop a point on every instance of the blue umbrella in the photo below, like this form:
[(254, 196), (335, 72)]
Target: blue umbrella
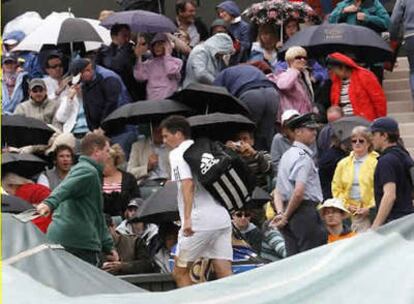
[(141, 21)]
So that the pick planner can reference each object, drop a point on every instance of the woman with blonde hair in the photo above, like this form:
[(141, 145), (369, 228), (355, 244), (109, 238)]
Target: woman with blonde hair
[(295, 85), (353, 181), (119, 187)]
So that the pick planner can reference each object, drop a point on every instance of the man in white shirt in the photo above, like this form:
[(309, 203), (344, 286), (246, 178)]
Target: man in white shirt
[(206, 225)]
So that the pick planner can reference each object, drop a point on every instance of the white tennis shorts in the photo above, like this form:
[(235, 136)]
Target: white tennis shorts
[(211, 244)]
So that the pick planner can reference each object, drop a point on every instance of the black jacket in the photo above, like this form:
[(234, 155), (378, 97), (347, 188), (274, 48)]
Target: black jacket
[(121, 60), (116, 203)]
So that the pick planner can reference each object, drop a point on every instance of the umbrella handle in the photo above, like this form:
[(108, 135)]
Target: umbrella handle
[(281, 31)]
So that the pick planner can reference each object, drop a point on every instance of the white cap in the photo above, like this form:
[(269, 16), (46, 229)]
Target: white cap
[(288, 114), (333, 203)]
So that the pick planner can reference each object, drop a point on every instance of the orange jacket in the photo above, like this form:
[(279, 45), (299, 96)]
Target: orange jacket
[(365, 92)]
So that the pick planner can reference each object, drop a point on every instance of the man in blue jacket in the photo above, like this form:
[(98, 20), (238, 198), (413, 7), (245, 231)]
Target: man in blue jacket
[(103, 92), (239, 29)]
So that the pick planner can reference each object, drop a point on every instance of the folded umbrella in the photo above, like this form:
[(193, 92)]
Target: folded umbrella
[(161, 206), (322, 40), (26, 165), (57, 29), (141, 21), (343, 127), (208, 99), (19, 131), (144, 112), (13, 204), (219, 126)]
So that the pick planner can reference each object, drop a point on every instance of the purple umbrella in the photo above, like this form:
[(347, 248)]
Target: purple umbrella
[(141, 21)]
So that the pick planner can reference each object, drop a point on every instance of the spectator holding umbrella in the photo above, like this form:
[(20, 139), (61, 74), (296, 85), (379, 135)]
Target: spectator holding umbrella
[(265, 49), (163, 72), (119, 57), (295, 85), (54, 69), (208, 59), (368, 13), (353, 181), (355, 89)]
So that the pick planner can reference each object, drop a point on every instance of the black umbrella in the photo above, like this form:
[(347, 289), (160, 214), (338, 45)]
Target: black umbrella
[(343, 127), (26, 165), (208, 99), (20, 131), (219, 125), (161, 206), (144, 112), (259, 198), (141, 21), (322, 40), (13, 204)]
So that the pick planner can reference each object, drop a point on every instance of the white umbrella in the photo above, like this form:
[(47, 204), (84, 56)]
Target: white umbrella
[(62, 28), (104, 33), (26, 23)]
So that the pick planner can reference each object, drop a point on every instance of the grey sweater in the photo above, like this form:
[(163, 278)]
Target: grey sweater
[(403, 13)]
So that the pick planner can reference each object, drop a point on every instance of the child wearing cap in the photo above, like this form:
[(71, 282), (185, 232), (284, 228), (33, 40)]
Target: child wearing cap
[(333, 213), (162, 72)]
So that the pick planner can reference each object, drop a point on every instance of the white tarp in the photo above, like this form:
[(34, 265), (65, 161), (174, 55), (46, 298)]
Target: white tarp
[(372, 268)]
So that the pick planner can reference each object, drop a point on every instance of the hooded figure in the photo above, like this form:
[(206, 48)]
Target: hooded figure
[(364, 97), (162, 72), (230, 13), (206, 60)]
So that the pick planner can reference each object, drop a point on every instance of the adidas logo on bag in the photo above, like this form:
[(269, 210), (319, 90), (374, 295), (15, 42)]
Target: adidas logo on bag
[(207, 161)]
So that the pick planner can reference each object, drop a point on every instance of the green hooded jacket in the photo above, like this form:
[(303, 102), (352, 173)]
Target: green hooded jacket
[(376, 17), (78, 220)]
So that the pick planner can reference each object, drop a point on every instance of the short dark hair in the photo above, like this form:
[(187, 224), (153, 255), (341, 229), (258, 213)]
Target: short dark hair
[(61, 148), (181, 4), (92, 141), (117, 27), (177, 123), (52, 55), (393, 137)]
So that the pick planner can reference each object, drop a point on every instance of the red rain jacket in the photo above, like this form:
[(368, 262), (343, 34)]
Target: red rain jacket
[(365, 92)]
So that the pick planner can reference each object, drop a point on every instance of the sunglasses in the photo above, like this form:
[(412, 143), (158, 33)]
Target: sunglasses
[(359, 141), (55, 66), (301, 58), (37, 90), (241, 214)]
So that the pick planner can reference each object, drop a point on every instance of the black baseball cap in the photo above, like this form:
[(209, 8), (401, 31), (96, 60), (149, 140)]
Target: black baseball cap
[(384, 124), (307, 120)]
